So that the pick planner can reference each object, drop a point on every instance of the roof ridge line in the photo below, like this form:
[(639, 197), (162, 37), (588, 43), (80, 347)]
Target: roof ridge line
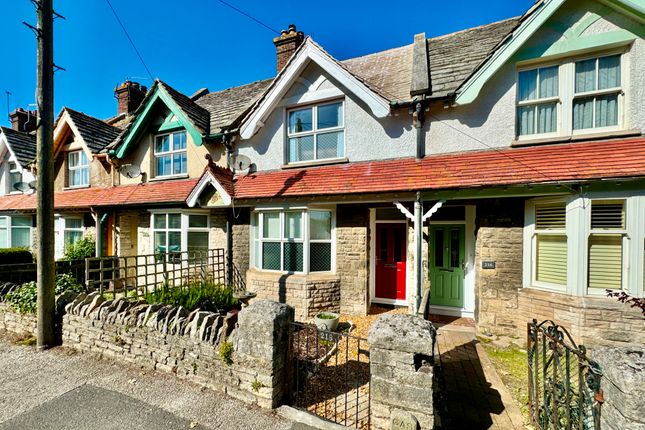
[(454, 33)]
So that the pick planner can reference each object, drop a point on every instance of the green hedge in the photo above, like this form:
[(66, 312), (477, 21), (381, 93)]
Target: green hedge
[(15, 256)]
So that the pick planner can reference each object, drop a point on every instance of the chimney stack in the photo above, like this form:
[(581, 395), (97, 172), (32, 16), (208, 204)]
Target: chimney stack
[(129, 96), (24, 120), (286, 44)]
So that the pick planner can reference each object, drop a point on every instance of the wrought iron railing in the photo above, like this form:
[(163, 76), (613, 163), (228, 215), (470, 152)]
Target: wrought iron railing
[(564, 384)]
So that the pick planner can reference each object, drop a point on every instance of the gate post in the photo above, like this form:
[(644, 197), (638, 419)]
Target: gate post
[(402, 370)]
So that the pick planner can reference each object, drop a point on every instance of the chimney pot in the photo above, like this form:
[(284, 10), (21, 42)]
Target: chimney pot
[(286, 44), (129, 96)]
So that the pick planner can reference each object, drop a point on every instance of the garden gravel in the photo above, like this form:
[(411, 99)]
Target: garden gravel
[(30, 379)]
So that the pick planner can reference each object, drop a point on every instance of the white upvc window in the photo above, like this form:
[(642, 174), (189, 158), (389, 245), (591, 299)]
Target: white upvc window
[(78, 169), (549, 246), (575, 96), (293, 240), (606, 246), (316, 132), (15, 231), (170, 154), (72, 230), (180, 231), (15, 176)]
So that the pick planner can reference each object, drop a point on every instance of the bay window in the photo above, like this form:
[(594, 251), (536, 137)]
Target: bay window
[(177, 232), (72, 230), (78, 169), (550, 245), (170, 154), (15, 232), (316, 133), (606, 237), (295, 241)]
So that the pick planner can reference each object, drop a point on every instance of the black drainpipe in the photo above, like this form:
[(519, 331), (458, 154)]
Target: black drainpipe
[(418, 117)]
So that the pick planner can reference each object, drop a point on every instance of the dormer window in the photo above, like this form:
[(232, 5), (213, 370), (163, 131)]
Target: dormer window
[(15, 175), (316, 133), (78, 169), (170, 154)]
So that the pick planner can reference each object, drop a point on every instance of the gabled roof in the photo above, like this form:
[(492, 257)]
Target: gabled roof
[(477, 169), (217, 177), (227, 106), (199, 116), (21, 144), (96, 134)]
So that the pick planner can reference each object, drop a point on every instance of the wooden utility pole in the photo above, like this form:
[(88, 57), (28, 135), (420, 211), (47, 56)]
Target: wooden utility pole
[(45, 176)]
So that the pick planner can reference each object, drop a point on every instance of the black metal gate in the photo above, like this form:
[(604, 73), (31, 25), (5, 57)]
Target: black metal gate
[(564, 384), (331, 375)]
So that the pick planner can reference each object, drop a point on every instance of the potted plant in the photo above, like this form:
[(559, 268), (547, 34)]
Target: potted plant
[(327, 321)]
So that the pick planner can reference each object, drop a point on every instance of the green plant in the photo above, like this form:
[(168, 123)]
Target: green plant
[(118, 340), (256, 385), (194, 368), (23, 299), (66, 282), (327, 316), (83, 248), (206, 296), (27, 340), (16, 256), (226, 352)]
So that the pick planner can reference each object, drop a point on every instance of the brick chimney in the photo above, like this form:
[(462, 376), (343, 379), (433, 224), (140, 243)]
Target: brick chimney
[(286, 44), (129, 96), (24, 120)]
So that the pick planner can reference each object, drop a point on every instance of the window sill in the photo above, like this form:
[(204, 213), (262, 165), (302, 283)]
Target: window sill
[(576, 138), (271, 275), (315, 163), (76, 187), (169, 177)]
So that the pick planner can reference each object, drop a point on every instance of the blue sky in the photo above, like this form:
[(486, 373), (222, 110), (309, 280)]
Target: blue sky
[(202, 43)]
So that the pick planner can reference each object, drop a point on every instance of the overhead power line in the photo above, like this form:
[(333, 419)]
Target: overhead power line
[(129, 38), (248, 16)]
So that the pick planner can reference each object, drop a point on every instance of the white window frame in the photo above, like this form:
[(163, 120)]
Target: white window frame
[(13, 171), (539, 101), (80, 229), (315, 131), (9, 228), (170, 153), (549, 232), (71, 169), (567, 95), (256, 239), (184, 228)]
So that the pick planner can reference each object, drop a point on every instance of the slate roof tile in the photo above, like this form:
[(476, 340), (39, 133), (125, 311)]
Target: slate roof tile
[(96, 133), (22, 144)]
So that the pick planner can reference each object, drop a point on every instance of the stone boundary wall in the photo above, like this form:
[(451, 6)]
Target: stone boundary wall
[(188, 344), (15, 322), (307, 294), (592, 321), (402, 372)]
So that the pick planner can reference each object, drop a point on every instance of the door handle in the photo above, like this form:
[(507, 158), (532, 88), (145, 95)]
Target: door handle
[(446, 270)]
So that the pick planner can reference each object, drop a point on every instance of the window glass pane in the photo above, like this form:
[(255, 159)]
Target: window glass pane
[(3, 221), (84, 161), (162, 143), (320, 257), (605, 261), (549, 82), (607, 215), (585, 75), (179, 164), (547, 118), (163, 165), (330, 115), (14, 178), (20, 237), (179, 140), (197, 241), (526, 120), (4, 242), (292, 225), (301, 148), (256, 227), (159, 220), (320, 225), (174, 241), (293, 257), (607, 110), (21, 221), (271, 227), (438, 248), (160, 241), (527, 82), (330, 145), (551, 255), (197, 221), (174, 221), (609, 72), (72, 159), (271, 256), (454, 248), (583, 113), (300, 120), (71, 237)]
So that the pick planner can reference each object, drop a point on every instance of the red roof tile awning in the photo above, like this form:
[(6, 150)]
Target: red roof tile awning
[(511, 166), (166, 192)]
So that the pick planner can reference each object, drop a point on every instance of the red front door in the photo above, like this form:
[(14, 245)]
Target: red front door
[(390, 261)]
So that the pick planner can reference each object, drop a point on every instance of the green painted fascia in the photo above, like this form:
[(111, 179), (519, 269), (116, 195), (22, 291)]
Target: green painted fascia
[(634, 8), (139, 125), (169, 123)]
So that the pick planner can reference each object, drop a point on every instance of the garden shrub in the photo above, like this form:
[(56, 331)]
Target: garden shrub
[(84, 248), (206, 296), (24, 298), (15, 256)]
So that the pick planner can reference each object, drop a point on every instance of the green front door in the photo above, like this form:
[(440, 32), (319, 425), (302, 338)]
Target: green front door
[(447, 258)]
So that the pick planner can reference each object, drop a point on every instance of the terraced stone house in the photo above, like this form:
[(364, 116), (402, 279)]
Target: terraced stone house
[(501, 167)]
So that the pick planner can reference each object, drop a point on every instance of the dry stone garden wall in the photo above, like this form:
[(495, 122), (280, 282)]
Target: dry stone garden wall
[(242, 354), (17, 323)]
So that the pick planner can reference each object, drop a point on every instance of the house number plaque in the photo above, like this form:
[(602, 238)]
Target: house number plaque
[(488, 264)]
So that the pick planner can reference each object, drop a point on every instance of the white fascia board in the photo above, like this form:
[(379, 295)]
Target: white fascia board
[(207, 179), (310, 52)]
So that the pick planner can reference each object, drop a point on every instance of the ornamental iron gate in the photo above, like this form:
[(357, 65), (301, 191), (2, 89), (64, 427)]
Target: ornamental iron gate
[(564, 384), (331, 374)]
